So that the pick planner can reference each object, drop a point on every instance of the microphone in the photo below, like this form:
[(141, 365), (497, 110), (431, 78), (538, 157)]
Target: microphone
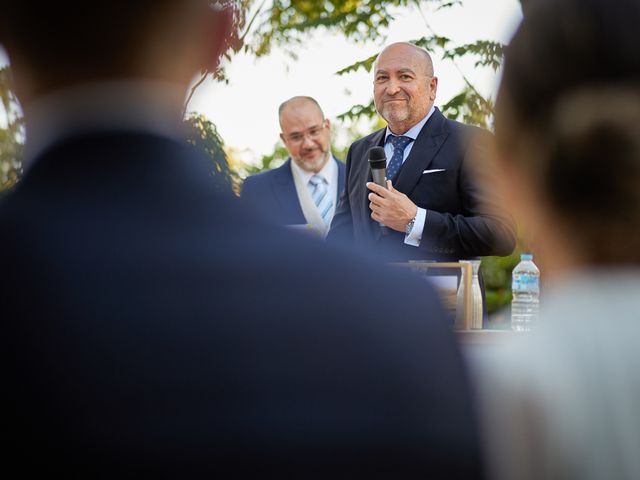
[(378, 164)]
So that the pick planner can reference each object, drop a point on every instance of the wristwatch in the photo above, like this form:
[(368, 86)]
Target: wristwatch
[(409, 227)]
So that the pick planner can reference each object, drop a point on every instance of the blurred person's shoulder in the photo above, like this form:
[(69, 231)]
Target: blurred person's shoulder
[(471, 134)]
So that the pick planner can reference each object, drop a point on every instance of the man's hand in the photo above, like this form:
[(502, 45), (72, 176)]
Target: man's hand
[(390, 207)]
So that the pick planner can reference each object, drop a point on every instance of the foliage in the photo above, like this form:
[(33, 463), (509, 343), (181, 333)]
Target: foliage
[(286, 23), (366, 64), (496, 273), (267, 162), (358, 111), (240, 28), (204, 135), (470, 107), (11, 135), (259, 25), (489, 53), (433, 42)]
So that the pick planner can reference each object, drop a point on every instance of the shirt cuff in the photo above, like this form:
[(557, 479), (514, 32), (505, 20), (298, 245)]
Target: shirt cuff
[(415, 235)]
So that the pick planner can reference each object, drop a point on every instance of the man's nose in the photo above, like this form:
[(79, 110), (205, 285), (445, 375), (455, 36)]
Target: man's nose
[(307, 141), (393, 87)]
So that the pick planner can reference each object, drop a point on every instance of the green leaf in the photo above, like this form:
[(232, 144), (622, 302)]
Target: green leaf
[(432, 43), (470, 107), (367, 64), (490, 53), (359, 111), (204, 135), (12, 135)]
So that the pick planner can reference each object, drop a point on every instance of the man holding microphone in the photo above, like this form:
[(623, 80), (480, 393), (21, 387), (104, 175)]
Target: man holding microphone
[(435, 205)]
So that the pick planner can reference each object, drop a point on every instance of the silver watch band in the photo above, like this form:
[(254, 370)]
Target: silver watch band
[(409, 227)]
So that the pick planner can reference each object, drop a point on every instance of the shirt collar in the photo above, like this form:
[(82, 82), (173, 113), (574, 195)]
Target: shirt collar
[(414, 131)]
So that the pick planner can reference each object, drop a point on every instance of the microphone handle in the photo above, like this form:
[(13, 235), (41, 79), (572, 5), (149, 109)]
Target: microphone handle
[(379, 178)]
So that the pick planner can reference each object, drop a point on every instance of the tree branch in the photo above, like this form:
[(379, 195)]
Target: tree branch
[(253, 18), (193, 91), (462, 74)]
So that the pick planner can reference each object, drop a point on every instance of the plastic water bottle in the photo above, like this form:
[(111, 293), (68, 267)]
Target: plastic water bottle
[(525, 287)]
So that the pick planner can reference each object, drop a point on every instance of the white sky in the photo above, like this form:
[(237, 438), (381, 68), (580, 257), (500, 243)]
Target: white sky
[(245, 110)]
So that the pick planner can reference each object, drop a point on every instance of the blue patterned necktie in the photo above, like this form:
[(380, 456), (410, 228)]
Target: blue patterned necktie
[(399, 143), (320, 194)]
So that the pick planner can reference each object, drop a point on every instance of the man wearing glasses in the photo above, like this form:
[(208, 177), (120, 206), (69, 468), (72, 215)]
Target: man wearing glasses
[(306, 188)]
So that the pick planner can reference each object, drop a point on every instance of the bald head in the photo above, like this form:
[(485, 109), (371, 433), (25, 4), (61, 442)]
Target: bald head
[(298, 103), (407, 48)]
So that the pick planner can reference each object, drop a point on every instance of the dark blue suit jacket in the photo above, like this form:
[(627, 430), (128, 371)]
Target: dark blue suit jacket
[(154, 328), (464, 217), (273, 193)]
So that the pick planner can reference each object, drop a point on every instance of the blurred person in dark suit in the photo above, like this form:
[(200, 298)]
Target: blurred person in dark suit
[(439, 205), (152, 326), (306, 188), (562, 402)]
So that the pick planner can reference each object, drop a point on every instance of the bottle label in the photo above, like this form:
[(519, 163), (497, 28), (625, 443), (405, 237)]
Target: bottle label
[(525, 283)]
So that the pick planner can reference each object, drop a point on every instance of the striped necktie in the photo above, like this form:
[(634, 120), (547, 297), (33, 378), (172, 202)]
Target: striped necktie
[(320, 194), (399, 144)]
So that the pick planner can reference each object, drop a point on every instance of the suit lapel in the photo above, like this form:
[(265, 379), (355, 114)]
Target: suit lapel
[(341, 174), (426, 146), (285, 191), (376, 140)]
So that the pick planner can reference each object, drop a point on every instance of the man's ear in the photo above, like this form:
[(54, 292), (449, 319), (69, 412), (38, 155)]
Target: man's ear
[(219, 23), (433, 83)]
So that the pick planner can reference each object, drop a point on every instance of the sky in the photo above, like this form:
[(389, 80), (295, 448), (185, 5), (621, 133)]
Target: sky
[(245, 110)]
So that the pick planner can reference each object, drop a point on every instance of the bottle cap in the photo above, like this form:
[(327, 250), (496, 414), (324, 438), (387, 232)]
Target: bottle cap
[(526, 256)]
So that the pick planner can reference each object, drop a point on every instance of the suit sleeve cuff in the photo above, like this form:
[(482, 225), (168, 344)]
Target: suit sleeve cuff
[(415, 235)]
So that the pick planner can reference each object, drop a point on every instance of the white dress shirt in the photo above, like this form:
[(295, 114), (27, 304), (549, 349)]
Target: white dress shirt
[(329, 172), (415, 235)]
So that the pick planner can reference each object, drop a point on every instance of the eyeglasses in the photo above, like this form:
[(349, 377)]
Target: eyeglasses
[(298, 137)]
